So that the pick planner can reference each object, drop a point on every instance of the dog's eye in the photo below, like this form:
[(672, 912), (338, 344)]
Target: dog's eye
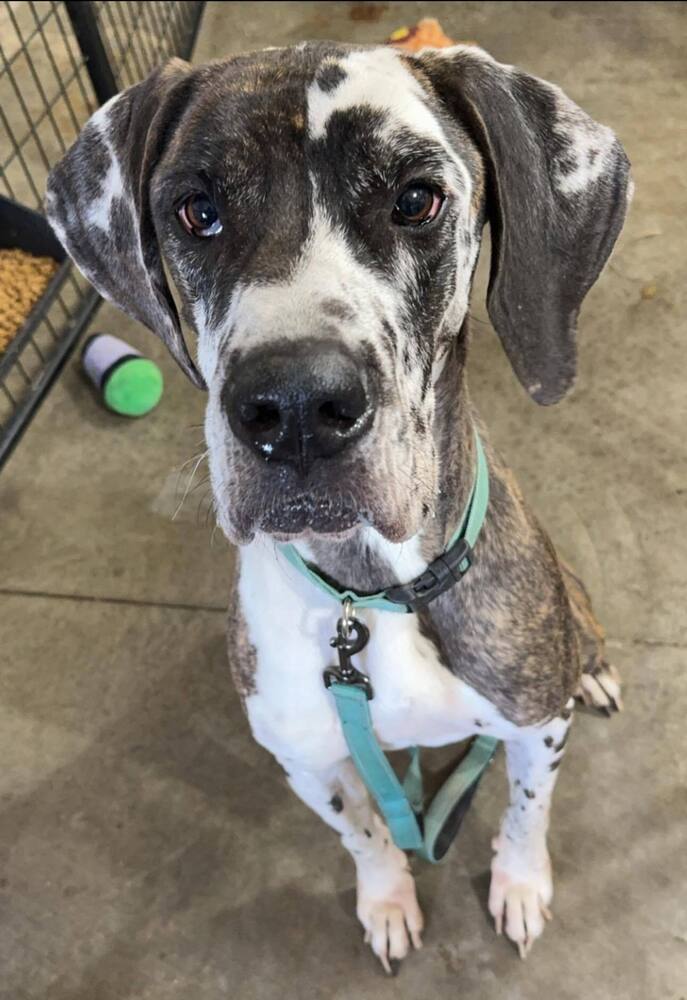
[(417, 204), (199, 217)]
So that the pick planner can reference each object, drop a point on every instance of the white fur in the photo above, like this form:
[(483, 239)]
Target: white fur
[(326, 267), (375, 78), (387, 904), (584, 137), (112, 185), (416, 699), (521, 881)]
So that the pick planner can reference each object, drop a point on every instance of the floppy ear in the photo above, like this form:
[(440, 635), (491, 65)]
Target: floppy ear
[(557, 191), (98, 202)]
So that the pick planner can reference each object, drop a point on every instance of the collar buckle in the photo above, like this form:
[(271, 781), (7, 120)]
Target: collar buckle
[(439, 576)]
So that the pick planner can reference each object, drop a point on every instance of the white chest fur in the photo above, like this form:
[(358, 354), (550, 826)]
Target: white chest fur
[(416, 700)]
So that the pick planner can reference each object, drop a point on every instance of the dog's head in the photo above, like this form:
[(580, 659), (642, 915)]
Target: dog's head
[(319, 211)]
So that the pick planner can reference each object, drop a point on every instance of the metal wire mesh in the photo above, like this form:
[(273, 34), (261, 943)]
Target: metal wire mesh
[(46, 95), (139, 36)]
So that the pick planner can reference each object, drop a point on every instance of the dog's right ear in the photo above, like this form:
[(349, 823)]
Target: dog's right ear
[(99, 206)]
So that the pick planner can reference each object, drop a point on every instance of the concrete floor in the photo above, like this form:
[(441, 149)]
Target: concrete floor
[(148, 849)]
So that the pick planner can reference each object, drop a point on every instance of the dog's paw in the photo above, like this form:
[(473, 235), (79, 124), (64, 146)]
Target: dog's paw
[(519, 898), (392, 919), (601, 689)]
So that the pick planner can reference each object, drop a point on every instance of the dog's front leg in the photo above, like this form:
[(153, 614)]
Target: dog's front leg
[(387, 904), (521, 883)]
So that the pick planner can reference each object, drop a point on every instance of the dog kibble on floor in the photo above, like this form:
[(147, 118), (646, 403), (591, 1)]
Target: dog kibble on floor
[(23, 279)]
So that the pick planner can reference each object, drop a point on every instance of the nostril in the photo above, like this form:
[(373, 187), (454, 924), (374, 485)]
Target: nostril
[(338, 415), (259, 418), (298, 403)]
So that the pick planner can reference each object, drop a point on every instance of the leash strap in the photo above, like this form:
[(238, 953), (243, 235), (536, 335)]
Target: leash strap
[(402, 804), (374, 768), (440, 574)]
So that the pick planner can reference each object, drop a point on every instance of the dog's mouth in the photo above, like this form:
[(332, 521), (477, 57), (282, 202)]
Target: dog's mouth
[(312, 513), (284, 507)]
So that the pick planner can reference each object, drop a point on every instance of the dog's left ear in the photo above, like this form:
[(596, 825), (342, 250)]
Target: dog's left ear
[(557, 191), (98, 202)]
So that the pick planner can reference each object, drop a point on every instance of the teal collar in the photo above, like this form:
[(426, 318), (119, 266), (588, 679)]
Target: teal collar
[(441, 573)]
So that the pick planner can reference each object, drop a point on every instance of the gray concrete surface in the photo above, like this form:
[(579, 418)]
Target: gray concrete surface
[(148, 849)]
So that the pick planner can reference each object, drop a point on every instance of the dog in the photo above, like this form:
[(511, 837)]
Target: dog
[(318, 212)]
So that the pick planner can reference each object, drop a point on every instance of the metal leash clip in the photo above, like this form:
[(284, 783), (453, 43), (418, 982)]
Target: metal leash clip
[(351, 637)]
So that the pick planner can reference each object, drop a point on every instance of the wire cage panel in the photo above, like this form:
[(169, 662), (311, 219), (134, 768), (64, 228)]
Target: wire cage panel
[(139, 36), (58, 62)]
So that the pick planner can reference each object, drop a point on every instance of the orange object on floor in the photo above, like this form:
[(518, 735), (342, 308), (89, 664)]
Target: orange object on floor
[(426, 32)]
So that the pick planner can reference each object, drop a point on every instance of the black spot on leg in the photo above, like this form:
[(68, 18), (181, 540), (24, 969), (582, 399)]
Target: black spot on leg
[(480, 724), (336, 803), (566, 713), (517, 782), (529, 793), (563, 741), (367, 833), (548, 741), (554, 764)]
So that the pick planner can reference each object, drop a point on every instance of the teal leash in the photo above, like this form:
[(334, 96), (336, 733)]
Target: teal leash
[(429, 833)]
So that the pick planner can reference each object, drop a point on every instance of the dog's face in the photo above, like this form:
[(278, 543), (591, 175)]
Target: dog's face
[(320, 210)]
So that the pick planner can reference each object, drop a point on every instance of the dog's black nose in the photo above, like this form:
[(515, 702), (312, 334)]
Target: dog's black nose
[(299, 402)]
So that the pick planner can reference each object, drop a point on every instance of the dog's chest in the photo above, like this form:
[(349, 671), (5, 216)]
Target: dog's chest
[(417, 700)]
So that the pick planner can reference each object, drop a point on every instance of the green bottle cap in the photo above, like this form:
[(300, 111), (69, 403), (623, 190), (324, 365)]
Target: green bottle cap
[(134, 387)]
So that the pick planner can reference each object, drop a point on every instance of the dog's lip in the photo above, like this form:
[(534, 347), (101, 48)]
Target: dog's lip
[(309, 534), (319, 514)]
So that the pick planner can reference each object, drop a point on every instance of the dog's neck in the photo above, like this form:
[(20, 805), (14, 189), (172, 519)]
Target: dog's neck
[(366, 562)]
